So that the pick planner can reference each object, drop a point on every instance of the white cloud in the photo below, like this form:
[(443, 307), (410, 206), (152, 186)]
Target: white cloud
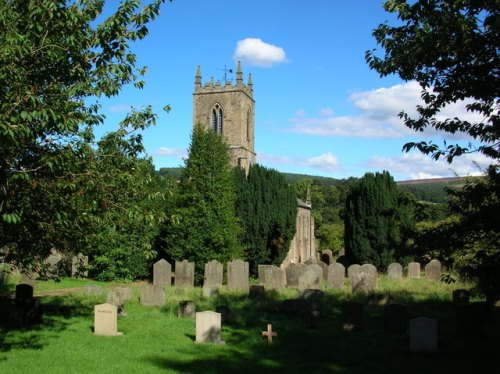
[(325, 162), (326, 112), (253, 51), (171, 152), (378, 117), (419, 166)]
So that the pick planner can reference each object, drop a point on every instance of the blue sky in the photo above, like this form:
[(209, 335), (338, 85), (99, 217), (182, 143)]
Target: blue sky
[(320, 110)]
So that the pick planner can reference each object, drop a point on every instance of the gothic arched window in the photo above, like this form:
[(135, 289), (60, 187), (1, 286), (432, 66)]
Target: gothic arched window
[(217, 119)]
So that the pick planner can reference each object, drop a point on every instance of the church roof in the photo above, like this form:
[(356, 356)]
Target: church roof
[(301, 204)]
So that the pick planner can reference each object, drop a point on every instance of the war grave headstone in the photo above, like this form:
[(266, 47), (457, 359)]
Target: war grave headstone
[(274, 278), (395, 317), (423, 335), (312, 278), (460, 297), (187, 309), (116, 299), (152, 295), (395, 271), (184, 274), (237, 276), (93, 290), (293, 273), (257, 291), (336, 275), (162, 273), (433, 271), (414, 270), (327, 257), (213, 274), (106, 320), (79, 266), (208, 327), (351, 316)]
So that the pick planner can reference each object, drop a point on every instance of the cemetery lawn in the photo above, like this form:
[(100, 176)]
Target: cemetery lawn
[(155, 340)]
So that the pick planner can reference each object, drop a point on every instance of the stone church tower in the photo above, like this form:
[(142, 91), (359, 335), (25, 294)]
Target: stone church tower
[(229, 110)]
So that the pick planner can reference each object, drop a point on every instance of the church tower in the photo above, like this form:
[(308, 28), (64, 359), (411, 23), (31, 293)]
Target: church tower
[(228, 110)]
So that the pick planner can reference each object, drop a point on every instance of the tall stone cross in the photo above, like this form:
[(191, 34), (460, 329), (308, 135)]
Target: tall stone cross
[(269, 333)]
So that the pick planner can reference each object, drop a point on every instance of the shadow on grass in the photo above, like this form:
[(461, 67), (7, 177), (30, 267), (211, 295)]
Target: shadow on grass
[(319, 344), (57, 313)]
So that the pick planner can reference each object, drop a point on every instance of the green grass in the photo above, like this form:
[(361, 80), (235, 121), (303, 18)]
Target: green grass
[(155, 340)]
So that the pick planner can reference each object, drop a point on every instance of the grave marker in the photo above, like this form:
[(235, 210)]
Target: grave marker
[(293, 273), (395, 317), (213, 274), (413, 270), (208, 327), (336, 275), (269, 333), (105, 320), (327, 257), (433, 271), (187, 309), (184, 274), (162, 273), (395, 271), (79, 265), (237, 276), (152, 295), (274, 278), (423, 335), (351, 316), (312, 278)]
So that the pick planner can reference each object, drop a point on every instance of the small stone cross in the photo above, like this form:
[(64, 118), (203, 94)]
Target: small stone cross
[(269, 333)]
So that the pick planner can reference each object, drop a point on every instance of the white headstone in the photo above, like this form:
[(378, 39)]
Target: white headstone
[(423, 335), (208, 327), (105, 320)]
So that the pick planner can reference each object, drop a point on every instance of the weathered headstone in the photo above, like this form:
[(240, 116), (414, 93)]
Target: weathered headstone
[(93, 290), (324, 268), (79, 265), (369, 269), (433, 270), (274, 278), (395, 271), (208, 327), (257, 291), (210, 291), (51, 263), (24, 293), (237, 276), (336, 275), (261, 273), (213, 274), (395, 317), (351, 316), (105, 320), (352, 271), (152, 295), (363, 283), (423, 335), (460, 297), (327, 257), (187, 309), (184, 274), (312, 278), (414, 270), (116, 299), (125, 293), (162, 273), (293, 273)]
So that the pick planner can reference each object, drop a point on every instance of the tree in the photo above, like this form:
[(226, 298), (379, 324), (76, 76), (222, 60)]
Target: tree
[(377, 221), (205, 226), (450, 48), (56, 61), (267, 208)]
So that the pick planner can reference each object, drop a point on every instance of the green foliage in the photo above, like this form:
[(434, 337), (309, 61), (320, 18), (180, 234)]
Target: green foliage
[(434, 192), (267, 208), (378, 221), (204, 226), (56, 188), (451, 49)]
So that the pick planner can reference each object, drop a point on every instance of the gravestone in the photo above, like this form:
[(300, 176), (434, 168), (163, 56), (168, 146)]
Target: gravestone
[(310, 294), (24, 294), (395, 271), (460, 297), (187, 309), (208, 327), (213, 274), (32, 312), (336, 275), (152, 295), (363, 283), (93, 290), (125, 293), (257, 291), (184, 274), (395, 317), (29, 278), (414, 270), (105, 320), (116, 299), (351, 316), (433, 271), (293, 273), (51, 263), (261, 273), (369, 269), (162, 273), (352, 271), (79, 265), (324, 268), (269, 333), (274, 278), (423, 335), (237, 276), (210, 291), (312, 278), (327, 257)]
